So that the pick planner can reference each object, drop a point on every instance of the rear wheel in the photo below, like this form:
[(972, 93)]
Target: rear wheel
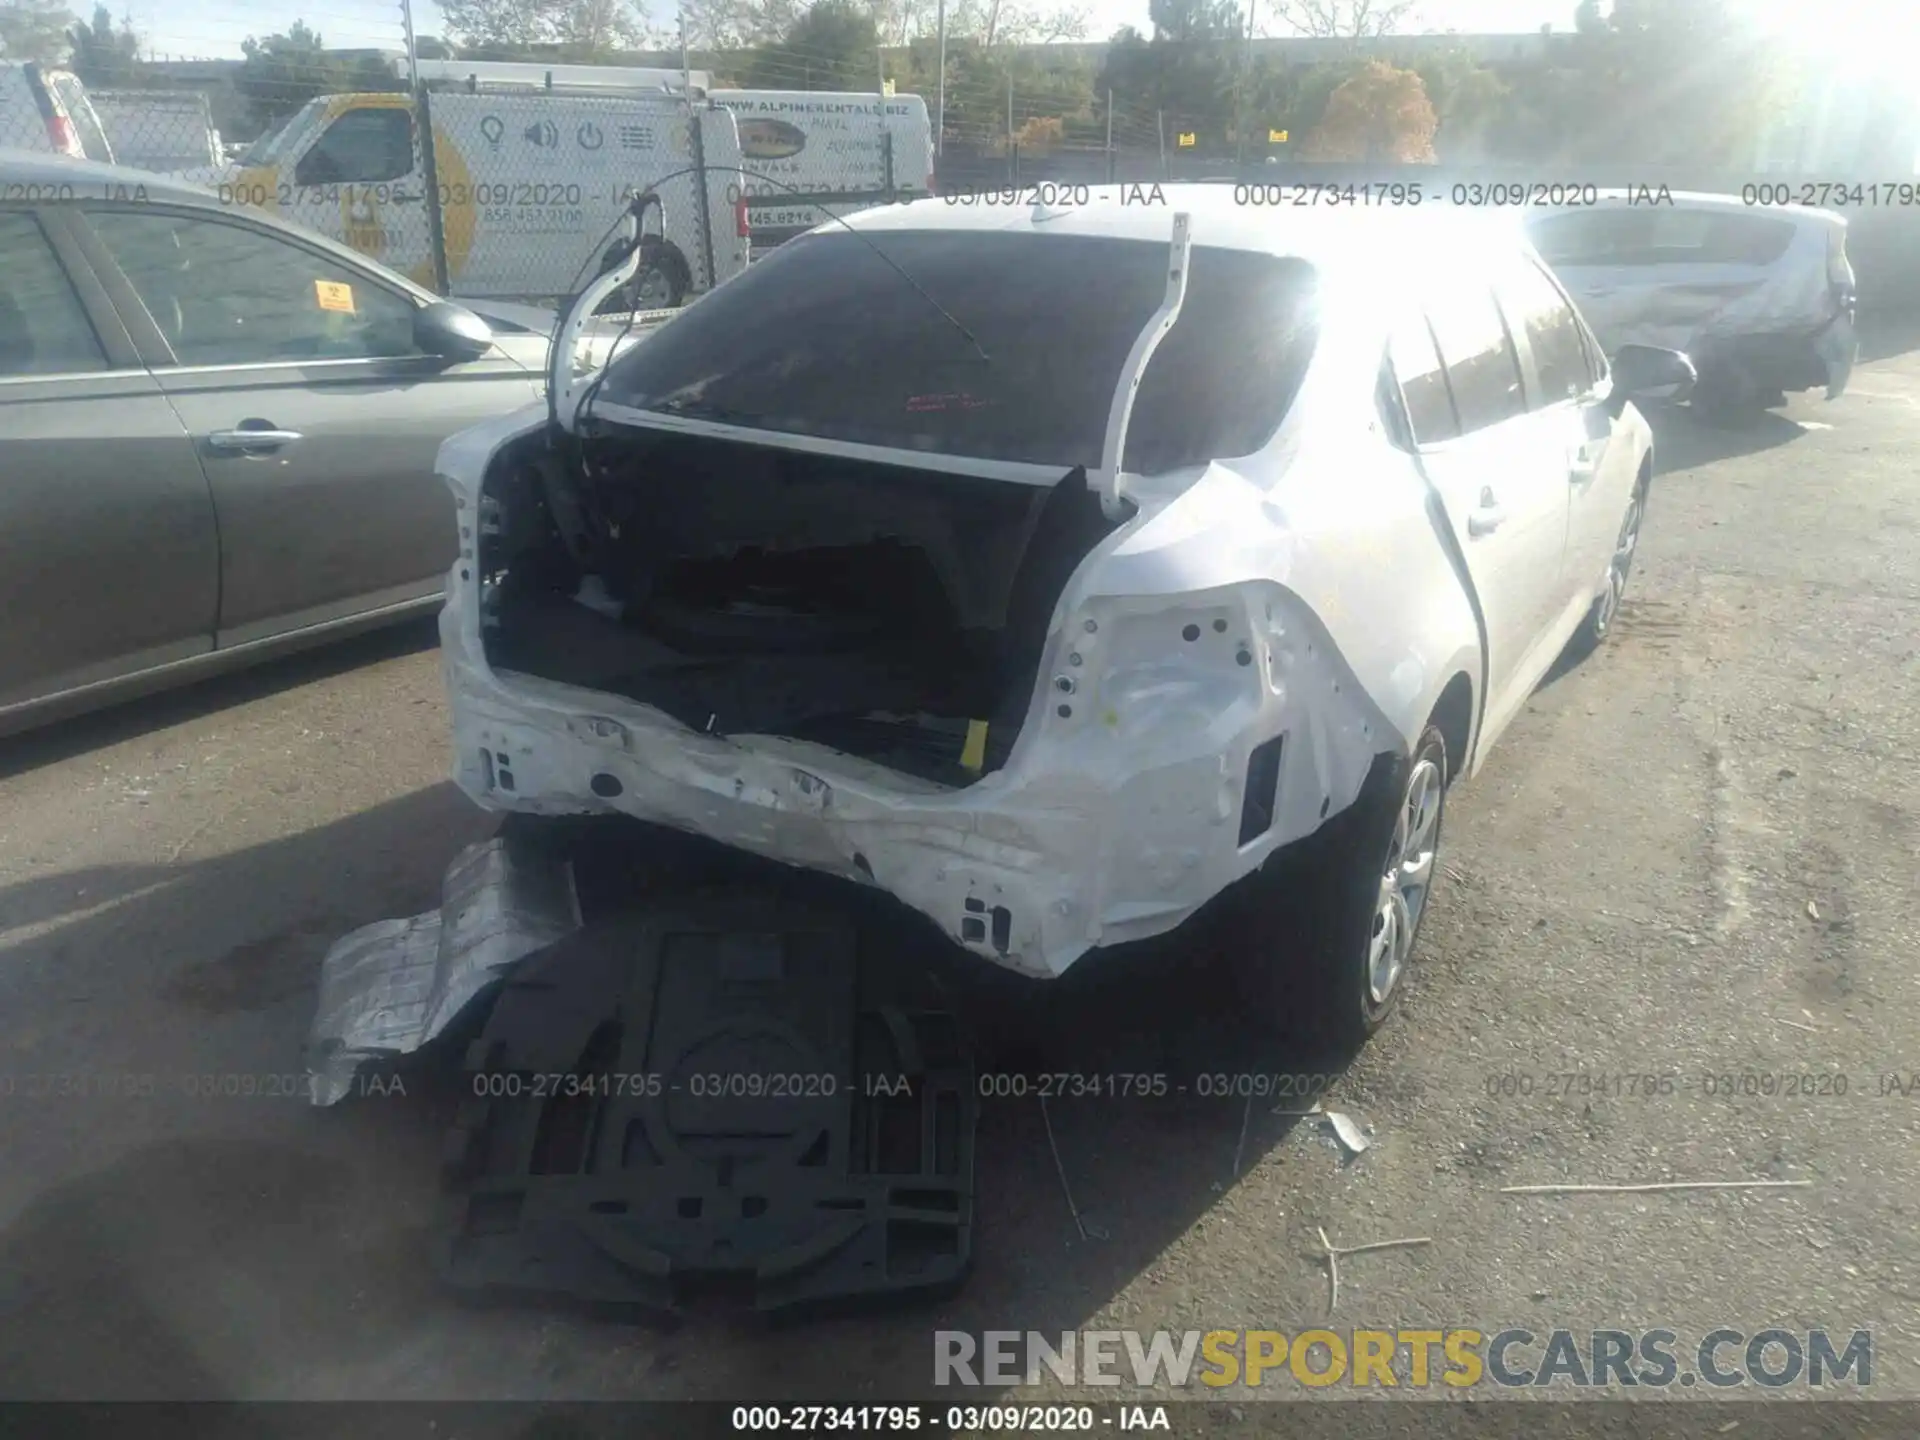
[(1322, 936)]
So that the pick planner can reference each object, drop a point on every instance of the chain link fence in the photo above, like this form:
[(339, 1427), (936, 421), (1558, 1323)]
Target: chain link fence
[(518, 191)]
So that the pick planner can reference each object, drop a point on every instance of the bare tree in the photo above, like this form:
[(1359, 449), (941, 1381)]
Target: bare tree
[(730, 24), (603, 25), (1342, 19)]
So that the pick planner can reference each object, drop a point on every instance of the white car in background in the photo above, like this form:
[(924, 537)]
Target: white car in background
[(1760, 297), (1123, 560), (46, 108)]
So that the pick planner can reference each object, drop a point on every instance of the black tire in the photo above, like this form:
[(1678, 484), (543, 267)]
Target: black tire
[(1301, 930), (660, 283), (1725, 397)]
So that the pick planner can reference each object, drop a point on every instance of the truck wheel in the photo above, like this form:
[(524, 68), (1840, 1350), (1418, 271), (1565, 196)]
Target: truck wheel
[(1321, 936)]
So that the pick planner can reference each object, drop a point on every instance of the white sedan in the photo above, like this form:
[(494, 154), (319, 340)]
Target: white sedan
[(1061, 571)]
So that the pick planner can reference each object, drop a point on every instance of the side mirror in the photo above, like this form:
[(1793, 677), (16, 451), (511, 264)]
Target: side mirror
[(451, 331), (1648, 373)]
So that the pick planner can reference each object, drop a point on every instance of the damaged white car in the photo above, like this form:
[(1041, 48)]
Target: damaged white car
[(1760, 296), (1059, 571)]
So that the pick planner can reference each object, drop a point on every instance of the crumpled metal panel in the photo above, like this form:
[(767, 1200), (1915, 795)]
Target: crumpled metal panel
[(388, 988)]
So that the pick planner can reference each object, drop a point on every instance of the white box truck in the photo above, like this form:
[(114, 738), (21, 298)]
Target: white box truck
[(815, 154), (526, 184)]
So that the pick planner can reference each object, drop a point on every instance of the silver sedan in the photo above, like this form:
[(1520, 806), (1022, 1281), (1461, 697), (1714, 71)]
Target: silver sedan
[(217, 434)]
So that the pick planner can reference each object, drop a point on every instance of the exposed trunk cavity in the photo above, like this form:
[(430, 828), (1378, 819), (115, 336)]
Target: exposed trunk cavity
[(749, 589)]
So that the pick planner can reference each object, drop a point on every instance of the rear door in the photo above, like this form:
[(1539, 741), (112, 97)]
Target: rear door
[(1504, 498), (1581, 432), (334, 510), (109, 558), (1671, 275)]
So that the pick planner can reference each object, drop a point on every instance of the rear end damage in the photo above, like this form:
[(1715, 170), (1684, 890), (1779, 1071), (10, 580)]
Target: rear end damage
[(909, 679)]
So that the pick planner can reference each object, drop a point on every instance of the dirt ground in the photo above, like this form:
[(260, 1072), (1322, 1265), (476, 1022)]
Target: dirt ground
[(1693, 856)]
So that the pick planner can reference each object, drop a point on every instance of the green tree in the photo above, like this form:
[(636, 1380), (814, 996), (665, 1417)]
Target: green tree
[(283, 72), (35, 30), (832, 46), (1192, 71), (104, 57), (1471, 101)]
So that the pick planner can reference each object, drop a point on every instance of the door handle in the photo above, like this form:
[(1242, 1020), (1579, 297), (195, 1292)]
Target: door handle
[(1582, 461), (234, 442), (1485, 520)]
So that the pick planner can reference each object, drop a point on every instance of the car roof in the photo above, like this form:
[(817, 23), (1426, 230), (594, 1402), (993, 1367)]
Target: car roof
[(61, 180), (1330, 236), (1703, 200)]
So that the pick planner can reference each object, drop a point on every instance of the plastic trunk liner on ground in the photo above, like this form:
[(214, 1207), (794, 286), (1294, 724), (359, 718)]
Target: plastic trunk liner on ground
[(716, 1093)]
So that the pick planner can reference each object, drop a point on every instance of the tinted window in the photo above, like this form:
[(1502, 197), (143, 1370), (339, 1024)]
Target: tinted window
[(826, 338), (1534, 306), (43, 329), (362, 147), (1660, 235), (1587, 237), (1481, 365), (1423, 382), (227, 294)]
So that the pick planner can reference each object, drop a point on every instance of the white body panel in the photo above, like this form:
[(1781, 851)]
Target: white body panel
[(1323, 558), (823, 144)]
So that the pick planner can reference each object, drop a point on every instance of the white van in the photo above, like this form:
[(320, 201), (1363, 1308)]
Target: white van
[(827, 153), (47, 109), (528, 190), (170, 131)]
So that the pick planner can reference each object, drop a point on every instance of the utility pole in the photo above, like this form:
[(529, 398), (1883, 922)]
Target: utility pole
[(1246, 80), (1109, 134), (413, 50), (940, 87)]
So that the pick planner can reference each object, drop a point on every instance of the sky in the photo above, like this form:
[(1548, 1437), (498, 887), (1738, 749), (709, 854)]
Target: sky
[(213, 29)]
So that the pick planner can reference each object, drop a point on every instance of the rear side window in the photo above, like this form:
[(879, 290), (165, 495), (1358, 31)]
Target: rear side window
[(1482, 368), (1535, 307), (1661, 235), (826, 337), (1587, 237), (362, 147), (43, 328), (1424, 384)]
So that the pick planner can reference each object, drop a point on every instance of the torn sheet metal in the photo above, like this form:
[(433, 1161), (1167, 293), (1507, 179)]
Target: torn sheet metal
[(388, 988)]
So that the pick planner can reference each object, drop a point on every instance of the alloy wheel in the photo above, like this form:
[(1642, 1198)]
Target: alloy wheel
[(1621, 565), (1406, 879)]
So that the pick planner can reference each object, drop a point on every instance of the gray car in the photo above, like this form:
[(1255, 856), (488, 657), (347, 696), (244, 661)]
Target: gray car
[(217, 434)]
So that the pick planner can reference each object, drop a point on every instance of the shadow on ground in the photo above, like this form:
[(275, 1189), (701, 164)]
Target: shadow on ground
[(233, 1248), (60, 739)]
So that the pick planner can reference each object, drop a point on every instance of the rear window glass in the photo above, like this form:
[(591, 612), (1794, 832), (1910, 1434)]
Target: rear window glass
[(826, 338), (1659, 235)]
